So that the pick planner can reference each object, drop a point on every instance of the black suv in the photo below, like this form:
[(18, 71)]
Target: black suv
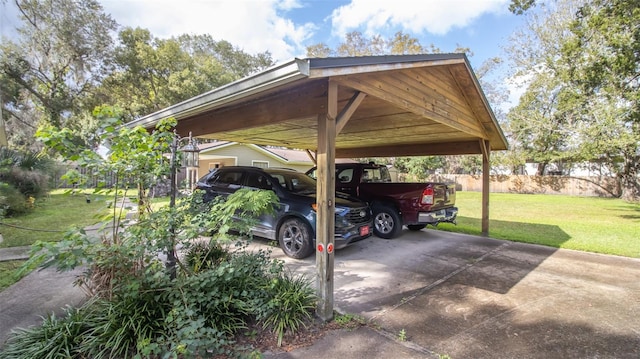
[(294, 224)]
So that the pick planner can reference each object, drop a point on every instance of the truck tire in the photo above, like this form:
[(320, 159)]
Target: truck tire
[(386, 222), (295, 239), (416, 227)]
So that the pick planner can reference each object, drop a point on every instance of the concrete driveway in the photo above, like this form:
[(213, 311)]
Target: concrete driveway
[(473, 297)]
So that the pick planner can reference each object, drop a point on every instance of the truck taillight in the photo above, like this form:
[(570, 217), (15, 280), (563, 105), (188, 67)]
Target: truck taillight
[(427, 196)]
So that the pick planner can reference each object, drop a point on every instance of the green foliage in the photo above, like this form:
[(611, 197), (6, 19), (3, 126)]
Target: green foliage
[(154, 73), (51, 217), (349, 320), (143, 307), (419, 167), (197, 314), (602, 58), (202, 256), (12, 202), (133, 153), (62, 49), (519, 7), (9, 273), (402, 335), (23, 178), (291, 302)]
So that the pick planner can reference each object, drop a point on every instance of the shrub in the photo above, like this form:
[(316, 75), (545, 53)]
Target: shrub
[(292, 300), (26, 171), (201, 256), (12, 201)]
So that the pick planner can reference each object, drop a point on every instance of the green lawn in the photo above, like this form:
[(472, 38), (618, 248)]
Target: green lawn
[(601, 225), (52, 216)]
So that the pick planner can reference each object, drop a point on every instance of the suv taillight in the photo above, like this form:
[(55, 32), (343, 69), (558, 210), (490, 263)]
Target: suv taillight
[(427, 196)]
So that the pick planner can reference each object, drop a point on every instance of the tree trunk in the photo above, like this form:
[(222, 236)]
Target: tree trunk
[(630, 188)]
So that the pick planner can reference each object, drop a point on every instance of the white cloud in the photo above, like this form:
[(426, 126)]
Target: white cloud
[(254, 26), (432, 16)]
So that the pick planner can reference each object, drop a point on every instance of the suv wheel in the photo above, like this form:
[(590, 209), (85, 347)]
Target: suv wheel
[(295, 239)]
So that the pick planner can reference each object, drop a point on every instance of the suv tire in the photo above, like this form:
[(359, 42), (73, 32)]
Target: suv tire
[(295, 239)]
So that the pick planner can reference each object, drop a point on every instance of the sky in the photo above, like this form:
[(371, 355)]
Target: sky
[(286, 27)]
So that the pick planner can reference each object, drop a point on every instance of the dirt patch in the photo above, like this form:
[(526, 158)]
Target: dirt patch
[(263, 340)]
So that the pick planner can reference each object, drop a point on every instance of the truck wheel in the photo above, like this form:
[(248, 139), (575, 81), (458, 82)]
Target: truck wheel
[(416, 227), (386, 222), (295, 239)]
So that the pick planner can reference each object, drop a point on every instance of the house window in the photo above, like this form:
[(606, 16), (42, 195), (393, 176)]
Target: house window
[(261, 164)]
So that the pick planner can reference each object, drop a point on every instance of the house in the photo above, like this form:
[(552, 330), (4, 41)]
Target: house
[(225, 153)]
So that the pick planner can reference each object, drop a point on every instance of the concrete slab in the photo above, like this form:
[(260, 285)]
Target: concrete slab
[(473, 297)]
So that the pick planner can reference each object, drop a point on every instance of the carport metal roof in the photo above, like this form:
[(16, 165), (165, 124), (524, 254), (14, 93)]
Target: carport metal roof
[(399, 106), (376, 106)]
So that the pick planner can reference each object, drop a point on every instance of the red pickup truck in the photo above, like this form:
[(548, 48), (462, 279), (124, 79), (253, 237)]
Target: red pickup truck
[(395, 204)]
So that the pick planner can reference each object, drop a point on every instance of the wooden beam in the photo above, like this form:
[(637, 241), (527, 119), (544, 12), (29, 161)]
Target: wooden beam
[(312, 156), (485, 150), (420, 149), (349, 109), (325, 220), (485, 187)]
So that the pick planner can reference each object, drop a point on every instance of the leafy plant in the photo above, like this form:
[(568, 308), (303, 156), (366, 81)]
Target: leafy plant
[(292, 300), (402, 336), (349, 321), (205, 255)]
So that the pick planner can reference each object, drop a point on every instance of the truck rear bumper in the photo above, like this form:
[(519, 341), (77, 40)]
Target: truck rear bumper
[(439, 216)]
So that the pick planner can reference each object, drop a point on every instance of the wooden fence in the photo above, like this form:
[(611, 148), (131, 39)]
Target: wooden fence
[(567, 185)]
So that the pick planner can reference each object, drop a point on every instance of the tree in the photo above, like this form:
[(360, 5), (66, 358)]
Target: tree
[(62, 52), (603, 61), (541, 125), (419, 167), (153, 73), (519, 7)]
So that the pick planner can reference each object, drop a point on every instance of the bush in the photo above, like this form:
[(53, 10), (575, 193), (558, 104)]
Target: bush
[(12, 201), (201, 256), (28, 172), (290, 305)]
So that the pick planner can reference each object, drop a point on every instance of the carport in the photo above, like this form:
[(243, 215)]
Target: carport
[(373, 106)]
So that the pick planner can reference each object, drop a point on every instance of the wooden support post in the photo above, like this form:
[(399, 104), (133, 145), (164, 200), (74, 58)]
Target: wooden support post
[(325, 220), (486, 156)]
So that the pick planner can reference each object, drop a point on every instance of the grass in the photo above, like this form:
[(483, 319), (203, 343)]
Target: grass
[(600, 225), (53, 216), (7, 273)]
